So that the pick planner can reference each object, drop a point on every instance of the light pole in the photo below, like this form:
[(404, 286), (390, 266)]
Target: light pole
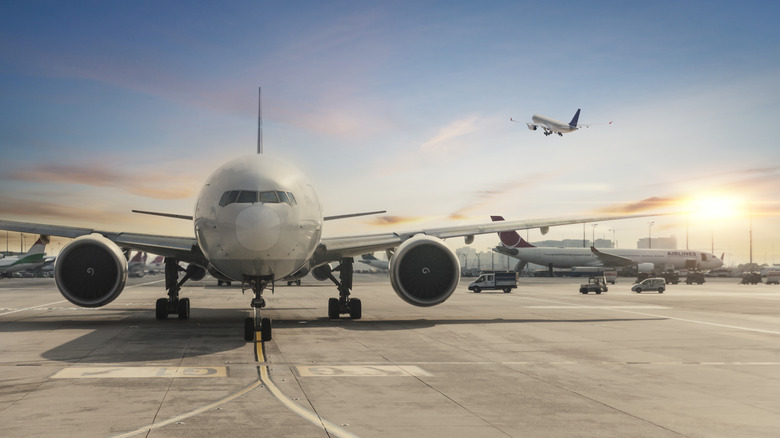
[(593, 236), (650, 235), (614, 244)]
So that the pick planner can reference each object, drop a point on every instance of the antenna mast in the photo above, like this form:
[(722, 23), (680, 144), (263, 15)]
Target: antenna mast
[(260, 120)]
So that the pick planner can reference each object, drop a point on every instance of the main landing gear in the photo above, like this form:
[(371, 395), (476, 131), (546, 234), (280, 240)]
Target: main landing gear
[(173, 305), (257, 324), (343, 304)]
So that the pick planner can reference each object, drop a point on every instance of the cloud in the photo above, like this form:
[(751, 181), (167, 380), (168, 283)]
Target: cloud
[(155, 185), (392, 220), (648, 204)]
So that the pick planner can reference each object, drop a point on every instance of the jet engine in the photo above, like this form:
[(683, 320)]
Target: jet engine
[(645, 267), (424, 271), (320, 273), (91, 271)]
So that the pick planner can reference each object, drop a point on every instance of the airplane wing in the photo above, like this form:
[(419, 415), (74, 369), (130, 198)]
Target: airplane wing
[(335, 248), (611, 259), (332, 249), (183, 248)]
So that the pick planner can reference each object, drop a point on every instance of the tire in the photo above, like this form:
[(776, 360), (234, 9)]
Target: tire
[(507, 290), (583, 291), (249, 329), (661, 290), (598, 291), (639, 290), (183, 308), (334, 308), (477, 290), (265, 329), (355, 308), (161, 308)]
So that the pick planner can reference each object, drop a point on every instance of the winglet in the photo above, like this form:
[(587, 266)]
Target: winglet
[(511, 239), (576, 118)]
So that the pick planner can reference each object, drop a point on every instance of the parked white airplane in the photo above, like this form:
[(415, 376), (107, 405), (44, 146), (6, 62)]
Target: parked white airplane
[(259, 221), (646, 260), (374, 262), (552, 126), (32, 259)]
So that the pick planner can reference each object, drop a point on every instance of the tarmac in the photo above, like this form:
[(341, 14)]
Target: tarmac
[(544, 360)]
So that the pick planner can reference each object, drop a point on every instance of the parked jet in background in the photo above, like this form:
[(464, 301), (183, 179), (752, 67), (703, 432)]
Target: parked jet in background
[(32, 259), (552, 126), (646, 260), (374, 262)]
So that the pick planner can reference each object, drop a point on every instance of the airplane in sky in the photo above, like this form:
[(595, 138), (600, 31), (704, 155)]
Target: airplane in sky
[(259, 221), (552, 126), (32, 259), (646, 260)]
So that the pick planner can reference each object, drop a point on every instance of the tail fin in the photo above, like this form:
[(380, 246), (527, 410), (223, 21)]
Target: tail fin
[(511, 239), (722, 255), (576, 118), (39, 246)]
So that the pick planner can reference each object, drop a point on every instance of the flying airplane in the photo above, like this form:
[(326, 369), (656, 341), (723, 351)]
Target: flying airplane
[(552, 126), (646, 260), (32, 259), (259, 221)]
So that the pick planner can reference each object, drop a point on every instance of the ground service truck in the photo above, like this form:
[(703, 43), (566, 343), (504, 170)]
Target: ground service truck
[(505, 281)]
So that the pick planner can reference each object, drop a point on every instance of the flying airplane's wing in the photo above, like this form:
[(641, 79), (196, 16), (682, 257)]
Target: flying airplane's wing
[(183, 248), (335, 248), (611, 259)]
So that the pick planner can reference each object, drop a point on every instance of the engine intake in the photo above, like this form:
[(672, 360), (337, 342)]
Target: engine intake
[(424, 271), (91, 271)]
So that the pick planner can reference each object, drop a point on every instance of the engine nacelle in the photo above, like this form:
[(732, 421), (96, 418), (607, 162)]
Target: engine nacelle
[(424, 271), (91, 271), (645, 267)]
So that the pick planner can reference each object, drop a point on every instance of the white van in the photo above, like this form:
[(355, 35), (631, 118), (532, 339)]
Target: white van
[(656, 284)]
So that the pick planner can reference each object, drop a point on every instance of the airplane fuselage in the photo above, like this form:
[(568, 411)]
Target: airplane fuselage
[(553, 125), (661, 258), (257, 216)]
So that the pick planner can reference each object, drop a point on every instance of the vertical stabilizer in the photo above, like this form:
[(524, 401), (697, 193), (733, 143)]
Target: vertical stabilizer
[(260, 120), (576, 119), (511, 239)]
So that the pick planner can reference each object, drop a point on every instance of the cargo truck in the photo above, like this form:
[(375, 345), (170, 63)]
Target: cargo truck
[(505, 281)]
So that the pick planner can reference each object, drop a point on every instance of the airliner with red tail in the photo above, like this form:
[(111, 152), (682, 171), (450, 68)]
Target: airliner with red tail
[(646, 260)]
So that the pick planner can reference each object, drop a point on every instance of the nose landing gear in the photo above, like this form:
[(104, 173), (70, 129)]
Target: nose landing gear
[(257, 324)]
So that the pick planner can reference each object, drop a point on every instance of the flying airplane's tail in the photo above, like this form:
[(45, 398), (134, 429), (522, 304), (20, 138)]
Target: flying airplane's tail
[(576, 118), (511, 239)]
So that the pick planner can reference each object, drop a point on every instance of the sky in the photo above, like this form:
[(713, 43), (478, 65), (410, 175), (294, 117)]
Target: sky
[(404, 106)]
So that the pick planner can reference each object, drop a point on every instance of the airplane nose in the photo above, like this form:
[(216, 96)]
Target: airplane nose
[(258, 228)]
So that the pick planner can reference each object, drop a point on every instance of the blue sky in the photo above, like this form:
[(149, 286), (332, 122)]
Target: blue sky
[(404, 106)]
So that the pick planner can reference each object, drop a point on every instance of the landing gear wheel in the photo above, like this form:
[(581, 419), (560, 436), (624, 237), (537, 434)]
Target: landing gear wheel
[(355, 308), (249, 329), (265, 329), (184, 308), (334, 308), (161, 308)]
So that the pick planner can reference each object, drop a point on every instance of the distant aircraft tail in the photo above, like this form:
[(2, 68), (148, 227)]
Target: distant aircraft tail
[(511, 239), (39, 246), (368, 257), (576, 119)]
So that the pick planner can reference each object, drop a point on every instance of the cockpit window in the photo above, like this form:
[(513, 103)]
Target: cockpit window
[(246, 197), (251, 197)]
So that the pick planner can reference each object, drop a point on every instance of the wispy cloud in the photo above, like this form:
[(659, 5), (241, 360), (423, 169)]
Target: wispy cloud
[(155, 185), (648, 204)]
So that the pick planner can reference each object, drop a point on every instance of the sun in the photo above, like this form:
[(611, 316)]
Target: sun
[(716, 207)]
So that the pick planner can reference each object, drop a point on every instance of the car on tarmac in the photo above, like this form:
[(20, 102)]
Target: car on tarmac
[(650, 284)]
